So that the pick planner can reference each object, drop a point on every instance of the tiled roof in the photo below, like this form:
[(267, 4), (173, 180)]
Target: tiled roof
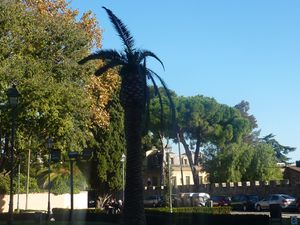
[(295, 168)]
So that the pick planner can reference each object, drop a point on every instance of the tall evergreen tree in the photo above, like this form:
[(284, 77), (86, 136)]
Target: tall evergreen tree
[(106, 169), (281, 151)]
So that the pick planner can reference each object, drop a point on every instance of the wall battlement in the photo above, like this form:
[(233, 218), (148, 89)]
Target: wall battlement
[(260, 188)]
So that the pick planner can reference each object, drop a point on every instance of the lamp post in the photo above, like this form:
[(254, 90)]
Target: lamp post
[(73, 156), (18, 196), (49, 147), (13, 99), (123, 158)]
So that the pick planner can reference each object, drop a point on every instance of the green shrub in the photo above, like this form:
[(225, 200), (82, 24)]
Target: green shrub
[(4, 184), (206, 210), (162, 216), (205, 219), (5, 179)]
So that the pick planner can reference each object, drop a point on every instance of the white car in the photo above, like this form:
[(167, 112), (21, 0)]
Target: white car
[(285, 201)]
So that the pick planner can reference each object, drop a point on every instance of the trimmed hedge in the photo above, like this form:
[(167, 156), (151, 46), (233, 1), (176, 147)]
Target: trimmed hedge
[(205, 210), (25, 216), (85, 215), (162, 216), (206, 219)]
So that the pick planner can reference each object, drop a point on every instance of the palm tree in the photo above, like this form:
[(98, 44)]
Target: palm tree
[(134, 98)]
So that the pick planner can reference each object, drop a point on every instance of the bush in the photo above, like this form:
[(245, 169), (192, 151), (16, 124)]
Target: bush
[(85, 215), (205, 210), (205, 219), (4, 184), (162, 216)]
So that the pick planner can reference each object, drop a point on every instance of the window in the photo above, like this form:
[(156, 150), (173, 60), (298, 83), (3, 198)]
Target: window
[(173, 181), (185, 162), (187, 180), (172, 161), (200, 180), (154, 181)]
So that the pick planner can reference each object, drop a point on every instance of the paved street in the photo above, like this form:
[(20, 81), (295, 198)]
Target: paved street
[(284, 214)]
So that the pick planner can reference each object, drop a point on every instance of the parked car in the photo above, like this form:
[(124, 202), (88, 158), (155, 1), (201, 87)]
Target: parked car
[(244, 202), (153, 201), (298, 205), (285, 201), (192, 199), (220, 200)]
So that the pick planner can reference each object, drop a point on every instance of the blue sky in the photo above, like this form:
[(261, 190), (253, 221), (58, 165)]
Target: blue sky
[(231, 50)]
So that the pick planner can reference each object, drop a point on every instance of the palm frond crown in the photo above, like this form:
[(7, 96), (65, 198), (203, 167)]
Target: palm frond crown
[(122, 30)]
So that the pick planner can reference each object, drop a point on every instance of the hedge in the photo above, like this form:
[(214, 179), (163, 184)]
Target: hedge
[(162, 216)]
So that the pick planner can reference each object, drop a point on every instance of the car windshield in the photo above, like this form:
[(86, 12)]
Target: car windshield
[(287, 197), (253, 198), (217, 198), (151, 198)]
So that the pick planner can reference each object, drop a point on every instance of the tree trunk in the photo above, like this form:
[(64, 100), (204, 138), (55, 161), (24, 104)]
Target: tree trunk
[(197, 152), (161, 166), (180, 159), (190, 158), (134, 213)]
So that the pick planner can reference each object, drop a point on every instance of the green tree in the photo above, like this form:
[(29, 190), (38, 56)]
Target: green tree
[(225, 165), (263, 165), (106, 167), (204, 122), (241, 162), (39, 51), (60, 178), (133, 95), (281, 151), (160, 125)]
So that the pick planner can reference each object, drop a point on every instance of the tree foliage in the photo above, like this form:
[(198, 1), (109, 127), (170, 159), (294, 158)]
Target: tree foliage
[(241, 162), (106, 168), (40, 54), (222, 139), (281, 151), (203, 121), (40, 45)]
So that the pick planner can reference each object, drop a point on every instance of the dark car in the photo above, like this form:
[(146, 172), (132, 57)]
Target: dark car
[(154, 201), (298, 205), (244, 202), (220, 200)]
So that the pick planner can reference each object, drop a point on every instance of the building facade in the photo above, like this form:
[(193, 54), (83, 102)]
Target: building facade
[(156, 169)]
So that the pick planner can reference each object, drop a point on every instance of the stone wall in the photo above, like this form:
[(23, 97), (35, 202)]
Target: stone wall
[(260, 188), (39, 201)]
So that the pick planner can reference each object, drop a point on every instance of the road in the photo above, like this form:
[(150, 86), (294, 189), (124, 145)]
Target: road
[(284, 214)]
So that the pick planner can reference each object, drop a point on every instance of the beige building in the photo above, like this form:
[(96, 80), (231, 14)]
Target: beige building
[(181, 173)]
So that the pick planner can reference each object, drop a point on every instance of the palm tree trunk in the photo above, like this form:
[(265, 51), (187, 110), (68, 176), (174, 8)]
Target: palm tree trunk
[(134, 213)]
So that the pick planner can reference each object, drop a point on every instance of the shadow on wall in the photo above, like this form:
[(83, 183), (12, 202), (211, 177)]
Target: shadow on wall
[(2, 203)]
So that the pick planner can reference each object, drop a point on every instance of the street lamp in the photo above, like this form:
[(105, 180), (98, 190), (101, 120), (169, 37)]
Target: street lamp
[(73, 156), (123, 158), (13, 99), (49, 147)]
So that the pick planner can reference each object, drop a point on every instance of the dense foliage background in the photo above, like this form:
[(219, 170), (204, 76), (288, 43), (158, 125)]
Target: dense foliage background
[(41, 43)]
